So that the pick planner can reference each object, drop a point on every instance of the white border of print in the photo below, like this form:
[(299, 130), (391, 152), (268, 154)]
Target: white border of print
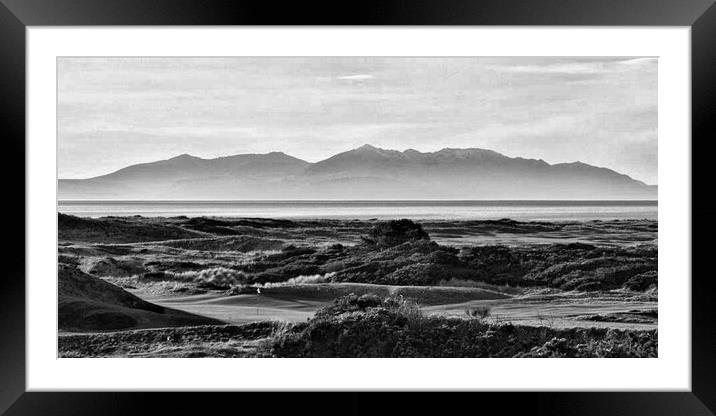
[(670, 371)]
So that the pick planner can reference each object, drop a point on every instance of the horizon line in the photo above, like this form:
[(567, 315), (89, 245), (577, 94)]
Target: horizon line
[(364, 201)]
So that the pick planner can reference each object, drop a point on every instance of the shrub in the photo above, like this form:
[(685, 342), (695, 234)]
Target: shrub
[(369, 326), (481, 312), (349, 303), (215, 277), (395, 232), (418, 274), (408, 309), (642, 281)]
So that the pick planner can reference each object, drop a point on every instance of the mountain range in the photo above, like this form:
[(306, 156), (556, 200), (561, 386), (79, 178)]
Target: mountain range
[(366, 172)]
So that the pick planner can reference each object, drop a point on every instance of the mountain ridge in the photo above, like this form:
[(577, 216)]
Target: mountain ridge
[(365, 172)]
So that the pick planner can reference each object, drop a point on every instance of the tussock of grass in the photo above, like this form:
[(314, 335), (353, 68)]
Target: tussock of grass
[(301, 280)]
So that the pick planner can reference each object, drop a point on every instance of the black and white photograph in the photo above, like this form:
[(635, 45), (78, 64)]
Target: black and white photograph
[(357, 206)]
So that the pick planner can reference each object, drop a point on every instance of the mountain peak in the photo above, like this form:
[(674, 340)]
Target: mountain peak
[(368, 150), (184, 156)]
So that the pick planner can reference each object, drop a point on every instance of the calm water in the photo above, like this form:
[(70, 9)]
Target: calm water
[(452, 210)]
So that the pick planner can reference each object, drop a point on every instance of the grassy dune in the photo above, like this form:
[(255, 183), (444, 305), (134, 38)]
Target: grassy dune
[(88, 303), (369, 326)]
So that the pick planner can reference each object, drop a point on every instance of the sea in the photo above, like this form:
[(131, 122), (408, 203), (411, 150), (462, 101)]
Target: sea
[(417, 210)]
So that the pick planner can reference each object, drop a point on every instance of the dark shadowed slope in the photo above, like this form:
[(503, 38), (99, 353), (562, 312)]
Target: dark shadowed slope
[(89, 303), (363, 173)]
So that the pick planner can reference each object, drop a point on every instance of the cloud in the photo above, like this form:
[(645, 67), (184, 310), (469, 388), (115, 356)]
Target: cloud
[(560, 68), (576, 67), (357, 77), (112, 113), (645, 60)]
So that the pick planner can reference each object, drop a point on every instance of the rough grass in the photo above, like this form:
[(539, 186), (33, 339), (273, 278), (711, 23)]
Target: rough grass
[(118, 230), (426, 295), (426, 263), (242, 244), (186, 342), (369, 326), (365, 326), (389, 253)]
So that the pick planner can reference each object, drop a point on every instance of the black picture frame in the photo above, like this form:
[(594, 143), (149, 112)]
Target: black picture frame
[(16, 15)]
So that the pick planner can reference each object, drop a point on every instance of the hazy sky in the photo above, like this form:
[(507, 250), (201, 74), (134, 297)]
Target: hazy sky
[(113, 112)]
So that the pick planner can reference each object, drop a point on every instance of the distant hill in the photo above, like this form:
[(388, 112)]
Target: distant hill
[(367, 172)]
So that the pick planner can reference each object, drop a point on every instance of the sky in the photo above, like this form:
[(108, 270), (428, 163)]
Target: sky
[(115, 112)]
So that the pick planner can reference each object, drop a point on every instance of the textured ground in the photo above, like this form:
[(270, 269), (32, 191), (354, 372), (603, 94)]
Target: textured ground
[(181, 272)]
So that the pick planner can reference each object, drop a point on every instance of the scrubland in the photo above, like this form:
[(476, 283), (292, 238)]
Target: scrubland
[(230, 287)]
